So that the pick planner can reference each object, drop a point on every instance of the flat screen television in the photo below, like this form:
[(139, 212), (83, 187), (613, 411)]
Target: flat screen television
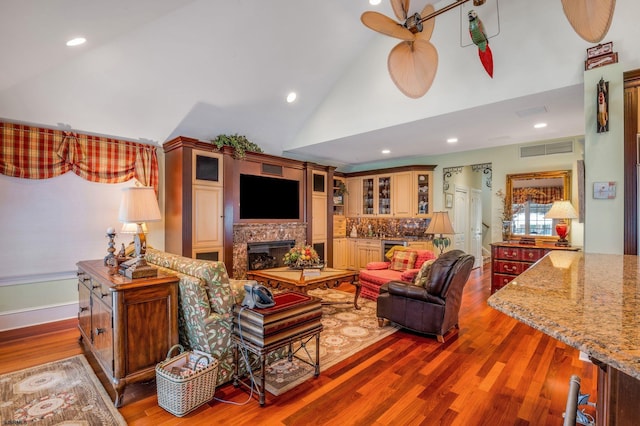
[(264, 197)]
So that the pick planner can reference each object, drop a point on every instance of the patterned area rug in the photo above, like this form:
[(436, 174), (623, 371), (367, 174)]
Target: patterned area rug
[(65, 392), (345, 332)]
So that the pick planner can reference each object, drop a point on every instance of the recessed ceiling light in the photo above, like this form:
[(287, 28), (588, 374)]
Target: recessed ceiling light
[(452, 140), (291, 97), (374, 2), (540, 125), (76, 41), (386, 151)]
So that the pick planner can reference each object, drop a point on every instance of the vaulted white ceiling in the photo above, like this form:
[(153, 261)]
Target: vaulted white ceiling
[(155, 69)]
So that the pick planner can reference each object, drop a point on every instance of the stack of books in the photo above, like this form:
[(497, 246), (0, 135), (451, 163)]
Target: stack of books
[(293, 314)]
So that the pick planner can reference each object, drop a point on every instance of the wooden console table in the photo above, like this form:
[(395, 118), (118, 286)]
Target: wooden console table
[(127, 324)]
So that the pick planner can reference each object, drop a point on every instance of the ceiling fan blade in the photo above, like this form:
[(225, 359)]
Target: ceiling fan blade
[(427, 26), (412, 67), (589, 18), (385, 25), (400, 9)]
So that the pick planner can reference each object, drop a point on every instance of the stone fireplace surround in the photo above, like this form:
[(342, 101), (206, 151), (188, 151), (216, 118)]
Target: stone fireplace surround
[(262, 232)]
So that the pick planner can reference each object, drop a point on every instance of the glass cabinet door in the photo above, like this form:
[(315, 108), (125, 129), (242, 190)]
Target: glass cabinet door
[(424, 203), (367, 196), (384, 195)]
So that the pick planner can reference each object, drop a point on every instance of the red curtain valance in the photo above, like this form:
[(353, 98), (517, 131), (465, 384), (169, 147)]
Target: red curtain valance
[(39, 153), (539, 195)]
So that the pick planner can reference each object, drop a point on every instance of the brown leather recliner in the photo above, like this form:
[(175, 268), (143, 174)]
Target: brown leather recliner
[(432, 309)]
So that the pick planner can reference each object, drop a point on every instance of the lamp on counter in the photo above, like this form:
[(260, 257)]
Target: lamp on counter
[(139, 205), (440, 224), (562, 210)]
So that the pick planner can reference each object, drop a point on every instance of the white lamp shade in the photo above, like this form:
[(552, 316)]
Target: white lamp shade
[(561, 210), (139, 204), (440, 224), (132, 228)]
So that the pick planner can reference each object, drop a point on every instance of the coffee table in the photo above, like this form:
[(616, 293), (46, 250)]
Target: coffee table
[(296, 280)]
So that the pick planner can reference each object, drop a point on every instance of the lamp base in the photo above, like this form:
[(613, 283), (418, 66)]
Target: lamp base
[(562, 243)]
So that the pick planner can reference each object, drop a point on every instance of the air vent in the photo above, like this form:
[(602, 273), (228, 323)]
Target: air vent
[(562, 147), (271, 169)]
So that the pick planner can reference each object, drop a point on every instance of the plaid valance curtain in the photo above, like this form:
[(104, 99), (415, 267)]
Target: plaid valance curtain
[(38, 153), (539, 195)]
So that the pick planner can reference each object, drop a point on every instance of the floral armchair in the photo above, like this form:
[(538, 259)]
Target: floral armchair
[(206, 297)]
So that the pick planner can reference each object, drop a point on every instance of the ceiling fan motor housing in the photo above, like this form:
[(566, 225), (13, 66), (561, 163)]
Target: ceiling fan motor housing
[(414, 23)]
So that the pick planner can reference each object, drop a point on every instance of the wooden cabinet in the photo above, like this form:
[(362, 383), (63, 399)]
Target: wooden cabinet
[(397, 192), (352, 253), (340, 260), (508, 260), (354, 201), (128, 325), (367, 250), (339, 198), (194, 201), (402, 200)]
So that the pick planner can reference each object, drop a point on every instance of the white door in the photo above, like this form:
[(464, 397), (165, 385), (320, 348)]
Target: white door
[(475, 226), (461, 218)]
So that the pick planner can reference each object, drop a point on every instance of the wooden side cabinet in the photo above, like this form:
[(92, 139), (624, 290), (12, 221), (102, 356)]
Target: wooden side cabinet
[(127, 325), (508, 260)]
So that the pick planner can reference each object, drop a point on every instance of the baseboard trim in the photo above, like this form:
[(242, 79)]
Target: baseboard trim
[(36, 316)]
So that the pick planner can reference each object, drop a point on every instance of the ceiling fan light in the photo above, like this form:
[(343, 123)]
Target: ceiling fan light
[(374, 2)]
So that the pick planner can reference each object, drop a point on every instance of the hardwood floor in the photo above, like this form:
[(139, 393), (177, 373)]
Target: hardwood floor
[(494, 371)]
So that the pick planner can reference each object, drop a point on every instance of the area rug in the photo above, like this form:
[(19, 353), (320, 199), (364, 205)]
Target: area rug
[(345, 332), (65, 392)]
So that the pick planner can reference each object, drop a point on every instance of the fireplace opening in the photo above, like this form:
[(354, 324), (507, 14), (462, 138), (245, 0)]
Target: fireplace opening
[(267, 254)]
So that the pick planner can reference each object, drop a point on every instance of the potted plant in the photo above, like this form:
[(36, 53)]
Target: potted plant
[(239, 143)]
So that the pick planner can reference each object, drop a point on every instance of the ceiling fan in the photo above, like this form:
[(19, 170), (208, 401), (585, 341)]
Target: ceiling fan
[(413, 62)]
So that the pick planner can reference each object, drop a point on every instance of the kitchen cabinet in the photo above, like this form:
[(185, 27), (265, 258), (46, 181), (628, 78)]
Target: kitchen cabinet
[(354, 201), (128, 325), (340, 253), (402, 200), (367, 250), (421, 193)]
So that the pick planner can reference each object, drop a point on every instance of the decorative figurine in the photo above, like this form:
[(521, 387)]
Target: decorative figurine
[(111, 233), (479, 37)]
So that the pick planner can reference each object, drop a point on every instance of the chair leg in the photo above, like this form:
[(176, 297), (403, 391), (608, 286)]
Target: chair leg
[(440, 338), (380, 322)]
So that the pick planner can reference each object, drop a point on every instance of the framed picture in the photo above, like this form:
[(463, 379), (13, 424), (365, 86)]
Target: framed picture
[(601, 49), (604, 190), (448, 200), (600, 61)]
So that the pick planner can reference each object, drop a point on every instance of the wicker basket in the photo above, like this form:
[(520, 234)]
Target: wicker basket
[(185, 381)]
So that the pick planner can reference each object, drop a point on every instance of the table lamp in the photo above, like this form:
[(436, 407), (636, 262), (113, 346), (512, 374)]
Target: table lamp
[(562, 210), (440, 224), (139, 205)]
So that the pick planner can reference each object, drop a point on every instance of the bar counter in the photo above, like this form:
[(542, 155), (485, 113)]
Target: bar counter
[(588, 301)]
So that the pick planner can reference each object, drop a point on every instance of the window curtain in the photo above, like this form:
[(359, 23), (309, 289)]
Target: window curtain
[(39, 153), (539, 195)]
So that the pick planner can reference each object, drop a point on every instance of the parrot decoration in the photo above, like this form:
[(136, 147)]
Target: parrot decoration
[(479, 37)]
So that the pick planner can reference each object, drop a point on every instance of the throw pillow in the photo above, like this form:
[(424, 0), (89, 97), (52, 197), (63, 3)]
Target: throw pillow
[(422, 277), (392, 250), (423, 256), (403, 260)]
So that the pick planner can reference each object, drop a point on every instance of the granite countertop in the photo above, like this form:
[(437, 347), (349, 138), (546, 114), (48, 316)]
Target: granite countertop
[(588, 301)]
